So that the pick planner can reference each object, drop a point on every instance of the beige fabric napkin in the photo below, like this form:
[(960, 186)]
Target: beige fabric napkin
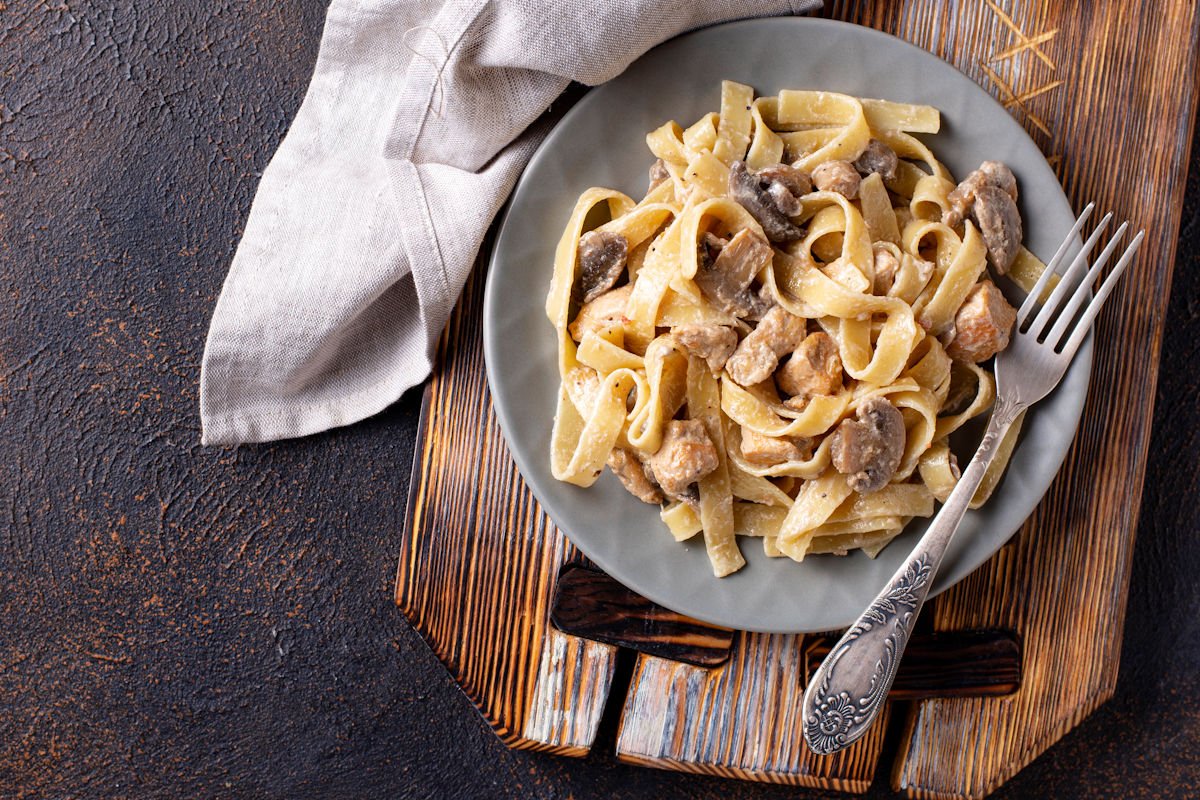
[(418, 120)]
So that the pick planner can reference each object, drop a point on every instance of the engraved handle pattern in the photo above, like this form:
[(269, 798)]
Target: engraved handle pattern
[(853, 682)]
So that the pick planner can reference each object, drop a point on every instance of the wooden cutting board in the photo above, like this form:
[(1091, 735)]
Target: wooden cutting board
[(1108, 91)]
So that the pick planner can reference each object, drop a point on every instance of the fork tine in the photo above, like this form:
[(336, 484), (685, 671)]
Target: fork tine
[(1064, 282), (1089, 316), (1048, 273), (1081, 292)]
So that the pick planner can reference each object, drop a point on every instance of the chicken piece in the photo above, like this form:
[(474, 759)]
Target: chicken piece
[(837, 176), (886, 268), (658, 174), (962, 197), (607, 309), (868, 449), (726, 280), (1000, 223), (714, 343), (878, 157), (799, 402), (814, 368), (632, 474), (752, 192), (758, 354), (686, 456), (767, 451), (982, 325), (602, 257)]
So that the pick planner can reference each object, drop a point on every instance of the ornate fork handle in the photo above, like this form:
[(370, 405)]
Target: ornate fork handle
[(851, 685)]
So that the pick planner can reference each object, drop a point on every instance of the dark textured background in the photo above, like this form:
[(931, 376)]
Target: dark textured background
[(187, 622)]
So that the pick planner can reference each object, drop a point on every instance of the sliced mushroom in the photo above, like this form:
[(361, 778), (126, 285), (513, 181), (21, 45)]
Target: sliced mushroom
[(961, 197), (878, 157), (726, 280), (868, 449), (711, 246), (792, 178), (658, 175), (814, 368), (1000, 223), (982, 324), (714, 343), (784, 200), (632, 474), (602, 256), (768, 451), (690, 496), (748, 189), (786, 185), (763, 303), (685, 456), (607, 309), (837, 176), (758, 354)]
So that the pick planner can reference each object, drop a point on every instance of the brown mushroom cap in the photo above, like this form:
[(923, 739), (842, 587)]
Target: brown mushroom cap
[(962, 197), (1000, 223), (726, 279), (868, 449), (786, 185), (747, 188), (602, 256), (632, 474), (878, 157)]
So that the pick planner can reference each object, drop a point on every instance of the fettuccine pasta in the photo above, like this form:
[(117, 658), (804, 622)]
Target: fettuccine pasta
[(779, 339)]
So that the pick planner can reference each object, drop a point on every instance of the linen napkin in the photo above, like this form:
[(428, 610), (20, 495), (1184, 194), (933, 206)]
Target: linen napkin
[(418, 120)]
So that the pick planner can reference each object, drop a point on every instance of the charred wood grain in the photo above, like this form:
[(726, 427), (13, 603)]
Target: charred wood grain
[(590, 604), (950, 664)]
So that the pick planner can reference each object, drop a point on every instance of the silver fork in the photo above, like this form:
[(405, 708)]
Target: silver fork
[(852, 683)]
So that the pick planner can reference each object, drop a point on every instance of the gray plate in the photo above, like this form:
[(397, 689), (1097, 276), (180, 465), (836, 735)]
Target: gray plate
[(601, 142)]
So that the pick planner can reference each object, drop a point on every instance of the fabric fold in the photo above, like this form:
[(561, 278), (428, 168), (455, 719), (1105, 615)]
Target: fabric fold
[(416, 124)]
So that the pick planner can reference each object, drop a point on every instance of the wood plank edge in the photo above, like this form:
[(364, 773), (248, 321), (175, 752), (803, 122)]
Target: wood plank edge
[(415, 482), (1024, 758), (412, 613), (521, 743), (510, 738), (739, 773)]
